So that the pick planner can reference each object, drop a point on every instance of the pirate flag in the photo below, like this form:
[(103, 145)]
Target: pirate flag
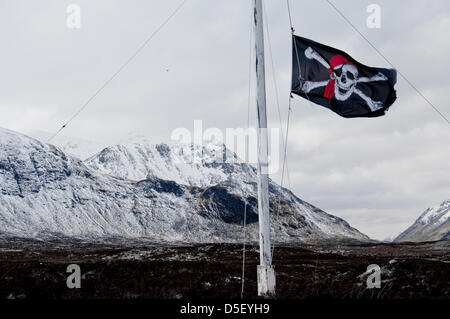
[(331, 78)]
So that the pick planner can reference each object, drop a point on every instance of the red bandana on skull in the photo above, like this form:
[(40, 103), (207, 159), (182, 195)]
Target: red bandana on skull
[(336, 62)]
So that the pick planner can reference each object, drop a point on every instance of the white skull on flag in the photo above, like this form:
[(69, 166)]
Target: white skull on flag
[(344, 77)]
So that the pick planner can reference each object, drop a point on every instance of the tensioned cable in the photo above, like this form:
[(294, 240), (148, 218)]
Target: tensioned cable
[(283, 170), (290, 16), (139, 49), (284, 141), (248, 127), (243, 253), (277, 98), (389, 62)]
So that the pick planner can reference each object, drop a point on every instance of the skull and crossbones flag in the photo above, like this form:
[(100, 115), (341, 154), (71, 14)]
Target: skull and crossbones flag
[(333, 79)]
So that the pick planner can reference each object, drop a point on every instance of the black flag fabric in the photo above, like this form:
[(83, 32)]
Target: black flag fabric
[(333, 79)]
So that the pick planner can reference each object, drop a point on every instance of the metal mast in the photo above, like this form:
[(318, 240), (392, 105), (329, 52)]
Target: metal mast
[(266, 273)]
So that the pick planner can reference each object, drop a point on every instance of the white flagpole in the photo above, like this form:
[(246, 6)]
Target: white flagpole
[(266, 273)]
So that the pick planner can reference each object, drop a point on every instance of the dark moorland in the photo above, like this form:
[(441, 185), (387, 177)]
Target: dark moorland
[(37, 269)]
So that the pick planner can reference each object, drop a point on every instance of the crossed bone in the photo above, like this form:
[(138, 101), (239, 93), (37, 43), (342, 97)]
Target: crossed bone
[(308, 86)]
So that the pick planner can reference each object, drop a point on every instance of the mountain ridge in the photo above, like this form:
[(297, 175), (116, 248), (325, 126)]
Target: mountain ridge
[(433, 224), (45, 191)]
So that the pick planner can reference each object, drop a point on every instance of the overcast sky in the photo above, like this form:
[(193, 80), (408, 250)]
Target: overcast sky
[(378, 174)]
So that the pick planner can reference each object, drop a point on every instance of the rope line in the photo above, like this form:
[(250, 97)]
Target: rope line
[(274, 79), (283, 170), (243, 252), (389, 62), (250, 51), (284, 141), (139, 49), (290, 16)]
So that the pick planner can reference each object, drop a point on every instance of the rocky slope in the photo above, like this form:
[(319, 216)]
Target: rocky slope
[(44, 191), (433, 224)]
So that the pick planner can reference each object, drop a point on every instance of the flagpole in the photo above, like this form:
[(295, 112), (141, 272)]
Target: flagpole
[(265, 271)]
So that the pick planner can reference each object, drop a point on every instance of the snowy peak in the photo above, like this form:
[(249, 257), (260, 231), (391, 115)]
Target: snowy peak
[(27, 165), (438, 214), (186, 164), (207, 167), (45, 191), (432, 224), (70, 145)]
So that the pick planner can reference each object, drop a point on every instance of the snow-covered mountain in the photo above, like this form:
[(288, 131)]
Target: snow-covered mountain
[(187, 164), (433, 224), (201, 166), (45, 191), (75, 146)]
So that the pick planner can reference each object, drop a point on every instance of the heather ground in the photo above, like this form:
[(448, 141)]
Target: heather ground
[(37, 269)]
